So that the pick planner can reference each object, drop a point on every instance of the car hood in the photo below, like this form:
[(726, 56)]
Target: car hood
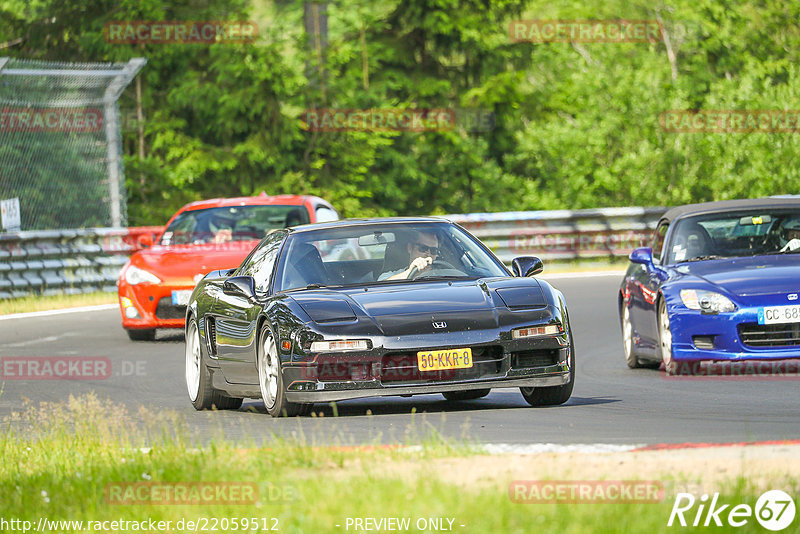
[(171, 262), (750, 276), (405, 308)]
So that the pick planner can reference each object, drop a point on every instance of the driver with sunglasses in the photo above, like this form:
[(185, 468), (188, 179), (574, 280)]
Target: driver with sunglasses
[(424, 248)]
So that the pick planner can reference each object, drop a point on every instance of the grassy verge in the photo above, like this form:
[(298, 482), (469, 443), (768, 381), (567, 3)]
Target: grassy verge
[(36, 303), (74, 457)]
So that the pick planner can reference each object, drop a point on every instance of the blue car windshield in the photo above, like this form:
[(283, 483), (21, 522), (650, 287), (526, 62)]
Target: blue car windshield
[(382, 253), (734, 234)]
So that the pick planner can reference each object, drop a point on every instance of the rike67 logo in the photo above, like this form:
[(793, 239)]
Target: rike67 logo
[(774, 510)]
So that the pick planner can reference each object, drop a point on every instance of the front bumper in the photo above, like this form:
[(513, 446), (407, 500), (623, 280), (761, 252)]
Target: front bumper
[(301, 389), (153, 302), (344, 391), (725, 331)]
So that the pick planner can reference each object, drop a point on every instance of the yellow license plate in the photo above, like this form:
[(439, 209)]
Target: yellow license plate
[(437, 360)]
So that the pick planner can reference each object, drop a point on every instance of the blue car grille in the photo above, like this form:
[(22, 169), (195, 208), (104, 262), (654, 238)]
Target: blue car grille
[(770, 335)]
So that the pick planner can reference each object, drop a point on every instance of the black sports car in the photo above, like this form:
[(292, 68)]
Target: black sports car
[(375, 307)]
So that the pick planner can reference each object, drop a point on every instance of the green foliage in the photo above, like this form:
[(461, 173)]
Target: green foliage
[(576, 124)]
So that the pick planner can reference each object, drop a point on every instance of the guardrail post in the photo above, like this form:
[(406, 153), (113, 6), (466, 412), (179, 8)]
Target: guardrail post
[(113, 141)]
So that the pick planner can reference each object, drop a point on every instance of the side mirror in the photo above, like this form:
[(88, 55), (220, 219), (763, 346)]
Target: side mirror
[(643, 256), (240, 286), (526, 266), (145, 240)]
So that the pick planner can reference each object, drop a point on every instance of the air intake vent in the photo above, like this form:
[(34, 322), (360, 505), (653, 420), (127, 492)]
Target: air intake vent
[(166, 310), (526, 359), (770, 335), (703, 342), (211, 335)]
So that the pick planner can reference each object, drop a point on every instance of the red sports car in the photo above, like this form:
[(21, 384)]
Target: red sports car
[(155, 284)]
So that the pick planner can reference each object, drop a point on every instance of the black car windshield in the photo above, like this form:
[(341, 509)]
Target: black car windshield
[(382, 253), (735, 234), (233, 223)]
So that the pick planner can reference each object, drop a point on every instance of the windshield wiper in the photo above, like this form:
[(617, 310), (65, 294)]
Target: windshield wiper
[(443, 277), (706, 257), (315, 286)]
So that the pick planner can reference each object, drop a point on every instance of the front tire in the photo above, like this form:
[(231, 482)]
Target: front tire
[(270, 379), (631, 358), (553, 395), (471, 394), (672, 367), (198, 378)]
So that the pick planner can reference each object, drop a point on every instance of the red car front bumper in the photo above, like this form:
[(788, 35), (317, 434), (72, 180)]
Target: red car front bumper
[(153, 304)]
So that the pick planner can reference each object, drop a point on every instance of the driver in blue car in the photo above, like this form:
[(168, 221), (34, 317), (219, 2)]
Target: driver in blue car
[(424, 248), (790, 232)]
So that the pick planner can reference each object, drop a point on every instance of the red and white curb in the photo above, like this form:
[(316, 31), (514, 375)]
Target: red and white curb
[(600, 448)]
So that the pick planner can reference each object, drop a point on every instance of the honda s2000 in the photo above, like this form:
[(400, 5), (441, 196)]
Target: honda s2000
[(718, 287)]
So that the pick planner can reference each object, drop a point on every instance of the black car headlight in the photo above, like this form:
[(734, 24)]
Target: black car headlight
[(340, 345), (537, 331)]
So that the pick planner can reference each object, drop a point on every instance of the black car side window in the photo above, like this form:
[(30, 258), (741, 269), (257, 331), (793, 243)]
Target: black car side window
[(658, 242), (261, 263)]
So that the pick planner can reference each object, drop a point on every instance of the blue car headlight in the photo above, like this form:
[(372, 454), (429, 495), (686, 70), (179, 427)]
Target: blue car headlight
[(706, 301)]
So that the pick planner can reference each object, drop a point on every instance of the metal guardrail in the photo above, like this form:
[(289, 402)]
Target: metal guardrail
[(81, 261), (52, 262), (563, 234)]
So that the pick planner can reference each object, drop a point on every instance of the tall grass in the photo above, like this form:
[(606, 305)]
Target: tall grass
[(58, 458)]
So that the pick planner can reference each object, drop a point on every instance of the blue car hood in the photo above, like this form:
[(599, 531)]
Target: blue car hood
[(750, 276)]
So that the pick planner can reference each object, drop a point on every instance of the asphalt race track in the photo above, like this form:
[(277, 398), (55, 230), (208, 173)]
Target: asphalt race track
[(610, 404)]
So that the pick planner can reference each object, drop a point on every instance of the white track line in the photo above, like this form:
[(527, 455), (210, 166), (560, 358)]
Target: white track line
[(100, 307), (538, 448)]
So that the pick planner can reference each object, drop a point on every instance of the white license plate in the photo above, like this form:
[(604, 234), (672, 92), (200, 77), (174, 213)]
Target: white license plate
[(779, 314), (181, 297)]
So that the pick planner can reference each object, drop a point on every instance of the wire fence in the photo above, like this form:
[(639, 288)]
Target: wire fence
[(60, 142)]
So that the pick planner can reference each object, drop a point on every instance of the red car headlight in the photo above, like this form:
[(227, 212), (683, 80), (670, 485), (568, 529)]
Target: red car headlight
[(135, 275)]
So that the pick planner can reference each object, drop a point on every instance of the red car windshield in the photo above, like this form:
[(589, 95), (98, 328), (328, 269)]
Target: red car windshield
[(234, 223)]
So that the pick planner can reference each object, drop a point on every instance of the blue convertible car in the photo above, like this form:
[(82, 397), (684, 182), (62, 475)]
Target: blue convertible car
[(720, 283)]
